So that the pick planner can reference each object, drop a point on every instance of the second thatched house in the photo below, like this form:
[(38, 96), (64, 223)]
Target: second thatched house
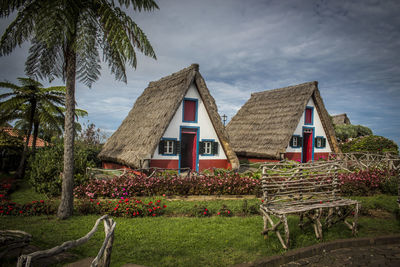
[(340, 119), (174, 124), (289, 122)]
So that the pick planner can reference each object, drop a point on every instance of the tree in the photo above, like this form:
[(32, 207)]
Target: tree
[(345, 131), (66, 37), (24, 101)]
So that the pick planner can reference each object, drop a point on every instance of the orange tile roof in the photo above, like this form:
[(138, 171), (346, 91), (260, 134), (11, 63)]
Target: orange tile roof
[(14, 132)]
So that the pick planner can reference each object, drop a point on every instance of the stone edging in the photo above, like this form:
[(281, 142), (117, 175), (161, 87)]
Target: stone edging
[(301, 253)]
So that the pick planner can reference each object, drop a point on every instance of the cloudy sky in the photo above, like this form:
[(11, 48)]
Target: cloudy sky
[(352, 48)]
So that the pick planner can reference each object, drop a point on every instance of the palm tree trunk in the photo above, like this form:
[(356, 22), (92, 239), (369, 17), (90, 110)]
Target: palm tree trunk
[(35, 135), (67, 201), (22, 164)]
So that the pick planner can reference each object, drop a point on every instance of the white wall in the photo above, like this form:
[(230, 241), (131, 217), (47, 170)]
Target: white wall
[(318, 130), (203, 122)]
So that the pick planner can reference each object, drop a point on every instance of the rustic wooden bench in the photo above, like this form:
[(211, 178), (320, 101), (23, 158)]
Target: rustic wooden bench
[(310, 190)]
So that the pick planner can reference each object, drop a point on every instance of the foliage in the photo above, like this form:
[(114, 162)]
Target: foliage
[(372, 143), (368, 182), (140, 185), (200, 211), (127, 207), (30, 209), (90, 135), (345, 131), (65, 38), (45, 168), (224, 211), (10, 151)]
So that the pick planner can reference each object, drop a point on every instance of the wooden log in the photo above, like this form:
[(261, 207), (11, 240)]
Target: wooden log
[(27, 259)]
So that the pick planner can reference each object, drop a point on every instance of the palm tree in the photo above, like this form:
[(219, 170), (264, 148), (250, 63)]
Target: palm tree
[(24, 101), (66, 37)]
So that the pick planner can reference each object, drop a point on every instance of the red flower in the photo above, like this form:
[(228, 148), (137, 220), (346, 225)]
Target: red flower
[(1, 195), (219, 213), (229, 212), (262, 200), (154, 208), (154, 214), (91, 200), (205, 213), (320, 202), (98, 203), (21, 211), (205, 209), (41, 201), (164, 206), (116, 208), (150, 210)]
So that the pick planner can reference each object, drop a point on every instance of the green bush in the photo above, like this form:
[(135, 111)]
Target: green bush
[(346, 131), (372, 143), (45, 168), (10, 151)]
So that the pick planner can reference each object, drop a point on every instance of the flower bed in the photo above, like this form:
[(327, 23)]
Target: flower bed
[(140, 185), (369, 182)]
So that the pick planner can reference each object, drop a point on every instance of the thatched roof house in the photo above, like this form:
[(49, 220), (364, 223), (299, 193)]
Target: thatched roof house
[(174, 117), (267, 123), (340, 119)]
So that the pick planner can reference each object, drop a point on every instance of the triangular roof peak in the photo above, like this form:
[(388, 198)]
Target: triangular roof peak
[(138, 136), (265, 123)]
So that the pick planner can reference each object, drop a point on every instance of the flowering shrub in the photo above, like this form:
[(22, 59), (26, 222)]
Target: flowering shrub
[(201, 211), (140, 185), (128, 207), (224, 211), (368, 182), (41, 207)]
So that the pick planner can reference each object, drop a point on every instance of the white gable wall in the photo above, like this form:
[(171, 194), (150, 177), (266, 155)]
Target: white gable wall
[(318, 130), (206, 130)]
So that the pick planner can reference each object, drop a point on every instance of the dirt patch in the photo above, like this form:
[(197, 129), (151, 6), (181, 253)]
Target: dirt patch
[(383, 214)]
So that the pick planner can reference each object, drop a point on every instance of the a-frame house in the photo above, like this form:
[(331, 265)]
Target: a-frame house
[(174, 124), (289, 122)]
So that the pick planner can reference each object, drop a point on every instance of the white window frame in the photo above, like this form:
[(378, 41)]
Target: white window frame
[(169, 147), (295, 141), (208, 147)]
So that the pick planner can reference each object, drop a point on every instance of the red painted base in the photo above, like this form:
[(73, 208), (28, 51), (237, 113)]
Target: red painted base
[(164, 163), (174, 164), (297, 156)]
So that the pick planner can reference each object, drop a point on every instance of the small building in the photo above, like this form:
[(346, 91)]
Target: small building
[(14, 132), (289, 122), (340, 119), (174, 124)]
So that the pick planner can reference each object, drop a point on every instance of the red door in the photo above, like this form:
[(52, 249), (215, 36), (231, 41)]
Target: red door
[(189, 149), (307, 145)]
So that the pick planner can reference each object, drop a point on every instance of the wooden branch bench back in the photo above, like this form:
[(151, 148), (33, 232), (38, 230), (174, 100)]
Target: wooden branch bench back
[(306, 189)]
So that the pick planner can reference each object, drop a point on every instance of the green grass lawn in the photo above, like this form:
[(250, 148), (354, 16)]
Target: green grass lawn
[(184, 241), (176, 239)]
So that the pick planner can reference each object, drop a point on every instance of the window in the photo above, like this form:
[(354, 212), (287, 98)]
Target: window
[(308, 116), (169, 147), (208, 148), (320, 142), (189, 110), (296, 141)]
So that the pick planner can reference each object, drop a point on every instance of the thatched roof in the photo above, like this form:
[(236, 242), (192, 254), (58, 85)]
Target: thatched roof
[(340, 119), (139, 134), (265, 123)]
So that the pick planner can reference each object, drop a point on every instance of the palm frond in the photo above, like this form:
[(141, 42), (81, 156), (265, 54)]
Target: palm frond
[(138, 5), (9, 85), (88, 59), (8, 7), (21, 29), (44, 61)]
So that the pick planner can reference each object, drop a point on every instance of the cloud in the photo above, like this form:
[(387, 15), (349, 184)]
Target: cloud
[(350, 47)]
